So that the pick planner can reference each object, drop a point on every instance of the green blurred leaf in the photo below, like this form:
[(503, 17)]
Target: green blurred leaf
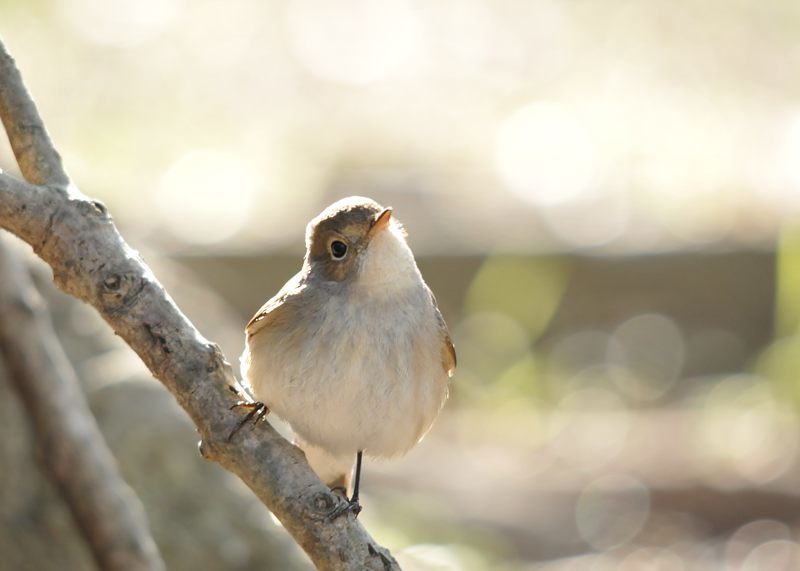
[(525, 289)]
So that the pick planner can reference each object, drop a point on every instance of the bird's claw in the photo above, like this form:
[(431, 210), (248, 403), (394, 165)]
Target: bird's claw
[(257, 410), (344, 507)]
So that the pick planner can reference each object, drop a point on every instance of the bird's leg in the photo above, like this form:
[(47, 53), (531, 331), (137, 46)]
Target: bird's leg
[(354, 498), (352, 504), (255, 409)]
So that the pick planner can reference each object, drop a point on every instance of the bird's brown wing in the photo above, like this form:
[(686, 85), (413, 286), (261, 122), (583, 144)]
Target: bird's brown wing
[(448, 349), (279, 308)]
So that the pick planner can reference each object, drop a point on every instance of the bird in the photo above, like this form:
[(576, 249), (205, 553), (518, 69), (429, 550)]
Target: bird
[(353, 352)]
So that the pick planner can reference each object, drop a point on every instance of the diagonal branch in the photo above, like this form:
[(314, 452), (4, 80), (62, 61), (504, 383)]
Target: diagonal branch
[(38, 159), (91, 261), (72, 449)]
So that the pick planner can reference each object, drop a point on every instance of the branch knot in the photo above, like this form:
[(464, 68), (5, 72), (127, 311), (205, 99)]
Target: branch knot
[(118, 289)]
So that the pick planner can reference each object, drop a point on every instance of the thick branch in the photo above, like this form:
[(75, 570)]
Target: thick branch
[(91, 261), (72, 449)]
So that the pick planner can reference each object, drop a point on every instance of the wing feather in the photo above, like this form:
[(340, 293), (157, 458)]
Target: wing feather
[(448, 350), (279, 308)]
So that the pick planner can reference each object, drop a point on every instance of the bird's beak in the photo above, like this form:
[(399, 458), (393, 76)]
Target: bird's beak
[(381, 222)]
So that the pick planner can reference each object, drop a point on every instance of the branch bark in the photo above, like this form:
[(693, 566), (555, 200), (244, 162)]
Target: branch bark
[(38, 159), (72, 449), (90, 260)]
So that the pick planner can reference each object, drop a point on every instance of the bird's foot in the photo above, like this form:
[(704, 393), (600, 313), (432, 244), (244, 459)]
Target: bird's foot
[(344, 507), (255, 410)]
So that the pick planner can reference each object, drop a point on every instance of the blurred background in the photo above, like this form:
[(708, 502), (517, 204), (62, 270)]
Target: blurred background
[(603, 195)]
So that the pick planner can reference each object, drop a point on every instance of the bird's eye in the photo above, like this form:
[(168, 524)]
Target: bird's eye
[(338, 249)]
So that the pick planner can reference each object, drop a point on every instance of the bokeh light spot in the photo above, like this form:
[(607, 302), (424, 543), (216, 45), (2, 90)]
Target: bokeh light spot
[(578, 351), (765, 443), (519, 383), (650, 348), (750, 536), (487, 342), (589, 427), (544, 154), (595, 220), (206, 196), (612, 510), (779, 364), (353, 41), (120, 23), (775, 555), (527, 290)]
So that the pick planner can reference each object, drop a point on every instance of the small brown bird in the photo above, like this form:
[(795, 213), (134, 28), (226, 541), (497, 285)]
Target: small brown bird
[(353, 352)]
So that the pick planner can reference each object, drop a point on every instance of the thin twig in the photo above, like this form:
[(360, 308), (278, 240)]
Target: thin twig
[(91, 261)]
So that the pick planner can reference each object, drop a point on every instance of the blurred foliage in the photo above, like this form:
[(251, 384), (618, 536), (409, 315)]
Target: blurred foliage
[(508, 305), (521, 288), (787, 308), (780, 362)]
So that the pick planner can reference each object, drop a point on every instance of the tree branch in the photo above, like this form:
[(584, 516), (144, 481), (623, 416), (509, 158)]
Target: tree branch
[(72, 449), (38, 159), (91, 261)]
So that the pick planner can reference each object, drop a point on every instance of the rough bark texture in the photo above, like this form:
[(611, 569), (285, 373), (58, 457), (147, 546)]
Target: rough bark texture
[(90, 260), (38, 159), (72, 449)]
